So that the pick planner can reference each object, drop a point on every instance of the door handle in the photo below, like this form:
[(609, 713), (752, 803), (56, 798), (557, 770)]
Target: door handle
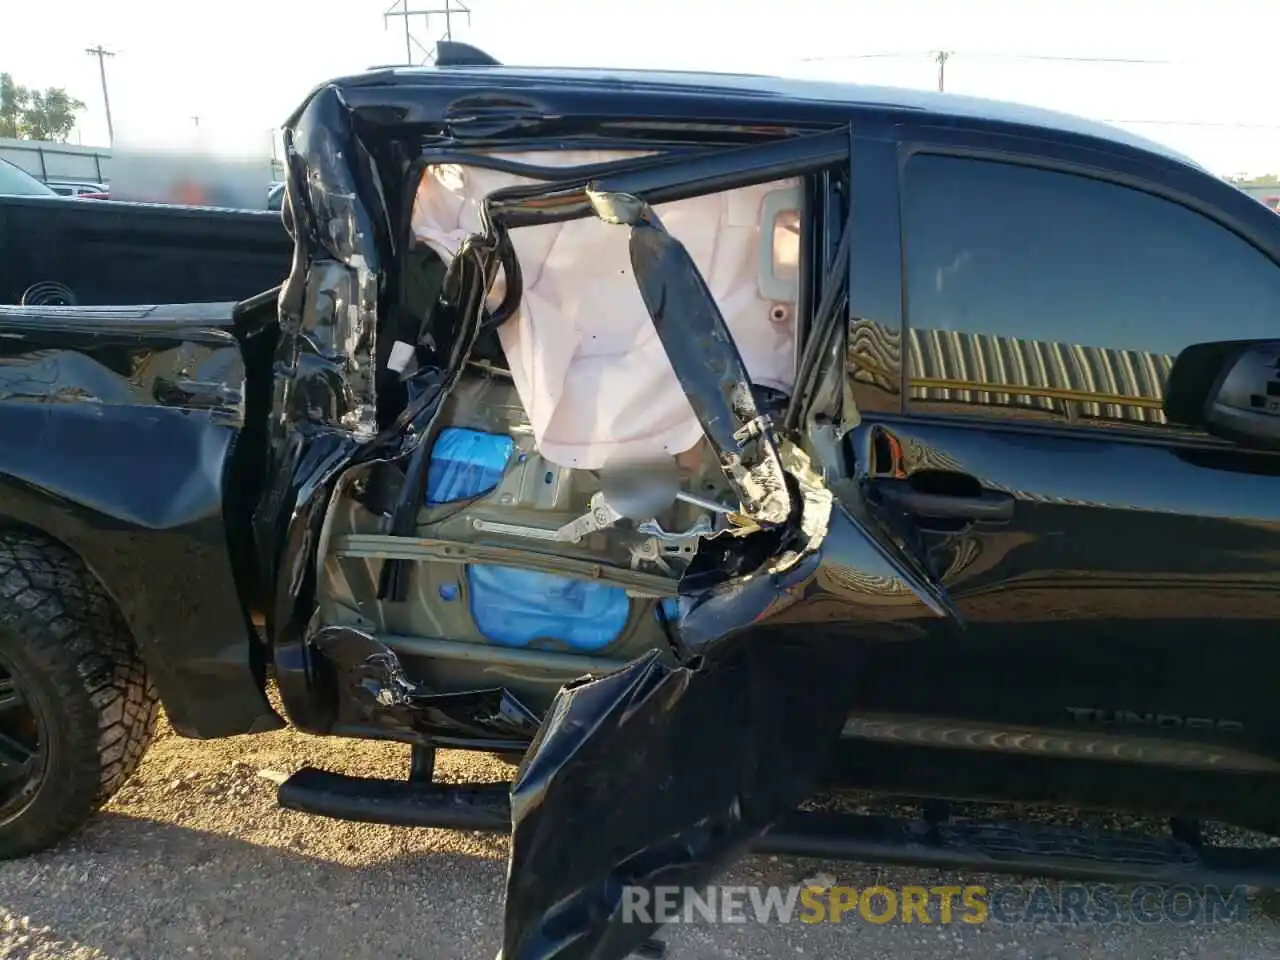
[(987, 505)]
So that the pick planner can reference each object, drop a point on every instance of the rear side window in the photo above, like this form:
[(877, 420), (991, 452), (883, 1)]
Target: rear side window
[(1033, 293)]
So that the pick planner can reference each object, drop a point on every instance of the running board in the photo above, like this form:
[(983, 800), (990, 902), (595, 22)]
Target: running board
[(1006, 847), (1022, 847), (400, 803)]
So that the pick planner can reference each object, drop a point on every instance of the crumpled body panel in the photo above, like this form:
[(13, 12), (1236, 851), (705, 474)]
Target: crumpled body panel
[(664, 775), (748, 717), (640, 318), (118, 430), (591, 372)]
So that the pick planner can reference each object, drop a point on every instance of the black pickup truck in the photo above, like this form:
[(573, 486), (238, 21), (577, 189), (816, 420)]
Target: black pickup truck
[(55, 250), (701, 441)]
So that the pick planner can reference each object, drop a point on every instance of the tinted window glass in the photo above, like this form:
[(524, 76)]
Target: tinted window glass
[(1079, 290), (18, 183)]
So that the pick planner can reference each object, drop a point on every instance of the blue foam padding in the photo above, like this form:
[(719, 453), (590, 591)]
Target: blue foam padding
[(466, 463), (514, 607)]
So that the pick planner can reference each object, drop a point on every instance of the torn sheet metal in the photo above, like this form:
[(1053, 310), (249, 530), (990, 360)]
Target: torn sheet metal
[(662, 776), (323, 399), (327, 412), (376, 690), (705, 358), (333, 306), (690, 765)]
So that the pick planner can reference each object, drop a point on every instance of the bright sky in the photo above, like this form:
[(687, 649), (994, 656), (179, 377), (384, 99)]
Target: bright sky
[(241, 66)]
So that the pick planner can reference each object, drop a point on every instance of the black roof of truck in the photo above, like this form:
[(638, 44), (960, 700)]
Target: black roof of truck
[(467, 82)]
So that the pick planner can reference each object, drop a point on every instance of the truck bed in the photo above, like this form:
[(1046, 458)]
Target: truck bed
[(107, 252)]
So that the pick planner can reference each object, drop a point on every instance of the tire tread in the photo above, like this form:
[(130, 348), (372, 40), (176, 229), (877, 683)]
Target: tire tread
[(73, 636)]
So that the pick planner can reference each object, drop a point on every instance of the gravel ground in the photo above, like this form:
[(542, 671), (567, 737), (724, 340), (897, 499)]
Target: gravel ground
[(194, 859)]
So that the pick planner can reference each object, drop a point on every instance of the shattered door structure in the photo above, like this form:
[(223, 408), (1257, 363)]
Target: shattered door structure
[(590, 371), (668, 330)]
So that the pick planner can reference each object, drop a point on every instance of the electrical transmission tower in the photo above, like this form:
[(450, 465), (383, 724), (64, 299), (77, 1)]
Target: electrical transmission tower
[(102, 54), (449, 10)]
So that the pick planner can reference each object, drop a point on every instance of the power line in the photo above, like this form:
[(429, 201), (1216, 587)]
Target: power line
[(940, 57), (1062, 59), (868, 56), (102, 54), (933, 54), (1200, 123)]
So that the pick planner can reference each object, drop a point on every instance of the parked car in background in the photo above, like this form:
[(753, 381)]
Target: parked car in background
[(1272, 202), (16, 182), (79, 188)]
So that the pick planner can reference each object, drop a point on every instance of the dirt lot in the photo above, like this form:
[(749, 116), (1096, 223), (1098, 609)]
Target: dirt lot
[(193, 859)]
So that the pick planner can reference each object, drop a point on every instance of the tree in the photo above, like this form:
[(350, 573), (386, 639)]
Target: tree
[(51, 114), (13, 100), (36, 114)]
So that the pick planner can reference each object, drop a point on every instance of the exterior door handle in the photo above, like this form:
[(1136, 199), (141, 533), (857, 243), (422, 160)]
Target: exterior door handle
[(991, 505)]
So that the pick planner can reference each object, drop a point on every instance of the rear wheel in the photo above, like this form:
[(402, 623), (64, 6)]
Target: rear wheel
[(77, 710)]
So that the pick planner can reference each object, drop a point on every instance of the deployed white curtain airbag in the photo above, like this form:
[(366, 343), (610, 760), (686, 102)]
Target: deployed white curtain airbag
[(587, 363)]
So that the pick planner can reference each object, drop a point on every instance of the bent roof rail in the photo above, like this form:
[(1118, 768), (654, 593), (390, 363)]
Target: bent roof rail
[(668, 179)]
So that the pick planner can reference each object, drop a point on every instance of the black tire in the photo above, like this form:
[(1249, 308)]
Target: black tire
[(76, 673)]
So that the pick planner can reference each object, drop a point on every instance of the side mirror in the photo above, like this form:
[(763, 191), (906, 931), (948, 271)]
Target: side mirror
[(1229, 388)]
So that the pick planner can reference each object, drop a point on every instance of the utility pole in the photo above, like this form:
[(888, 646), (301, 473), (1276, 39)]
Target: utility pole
[(401, 9), (102, 54), (408, 40), (941, 57)]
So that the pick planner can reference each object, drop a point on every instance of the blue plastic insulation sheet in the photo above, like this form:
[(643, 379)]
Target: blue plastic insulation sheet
[(509, 605), (466, 463), (515, 607)]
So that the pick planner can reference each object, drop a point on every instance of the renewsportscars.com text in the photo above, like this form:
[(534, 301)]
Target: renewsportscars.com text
[(973, 904)]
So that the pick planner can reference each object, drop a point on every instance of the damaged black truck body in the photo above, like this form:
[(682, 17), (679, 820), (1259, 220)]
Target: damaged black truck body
[(599, 424)]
